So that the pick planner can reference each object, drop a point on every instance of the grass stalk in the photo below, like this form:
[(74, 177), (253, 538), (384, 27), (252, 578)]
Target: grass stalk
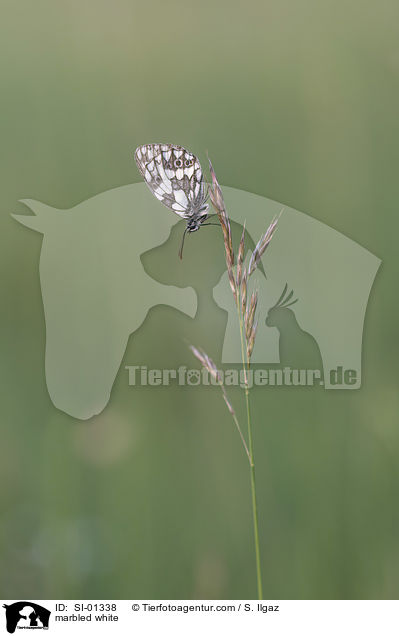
[(246, 311), (246, 367)]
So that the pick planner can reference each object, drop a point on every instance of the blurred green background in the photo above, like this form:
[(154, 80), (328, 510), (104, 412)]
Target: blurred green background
[(294, 100)]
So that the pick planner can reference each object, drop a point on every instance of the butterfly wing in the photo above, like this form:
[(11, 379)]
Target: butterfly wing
[(174, 176)]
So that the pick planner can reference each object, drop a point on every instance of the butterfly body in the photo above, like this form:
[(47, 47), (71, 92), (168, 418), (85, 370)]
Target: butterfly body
[(174, 176)]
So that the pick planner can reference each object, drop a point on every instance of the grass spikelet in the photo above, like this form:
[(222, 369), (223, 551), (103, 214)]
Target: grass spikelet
[(261, 246), (240, 258)]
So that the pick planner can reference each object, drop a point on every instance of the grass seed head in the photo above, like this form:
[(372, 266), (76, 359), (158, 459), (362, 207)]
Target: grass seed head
[(244, 284), (240, 258), (261, 246), (251, 340), (215, 192)]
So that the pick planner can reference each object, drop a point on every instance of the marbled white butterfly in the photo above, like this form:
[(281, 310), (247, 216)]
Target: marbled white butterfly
[(174, 176)]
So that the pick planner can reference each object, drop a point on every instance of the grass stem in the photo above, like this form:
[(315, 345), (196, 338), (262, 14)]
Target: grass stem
[(246, 365)]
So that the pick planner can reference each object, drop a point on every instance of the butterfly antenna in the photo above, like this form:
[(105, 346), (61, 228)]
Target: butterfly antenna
[(182, 244)]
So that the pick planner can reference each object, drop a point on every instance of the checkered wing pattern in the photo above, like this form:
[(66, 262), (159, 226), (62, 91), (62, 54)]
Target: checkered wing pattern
[(174, 176)]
